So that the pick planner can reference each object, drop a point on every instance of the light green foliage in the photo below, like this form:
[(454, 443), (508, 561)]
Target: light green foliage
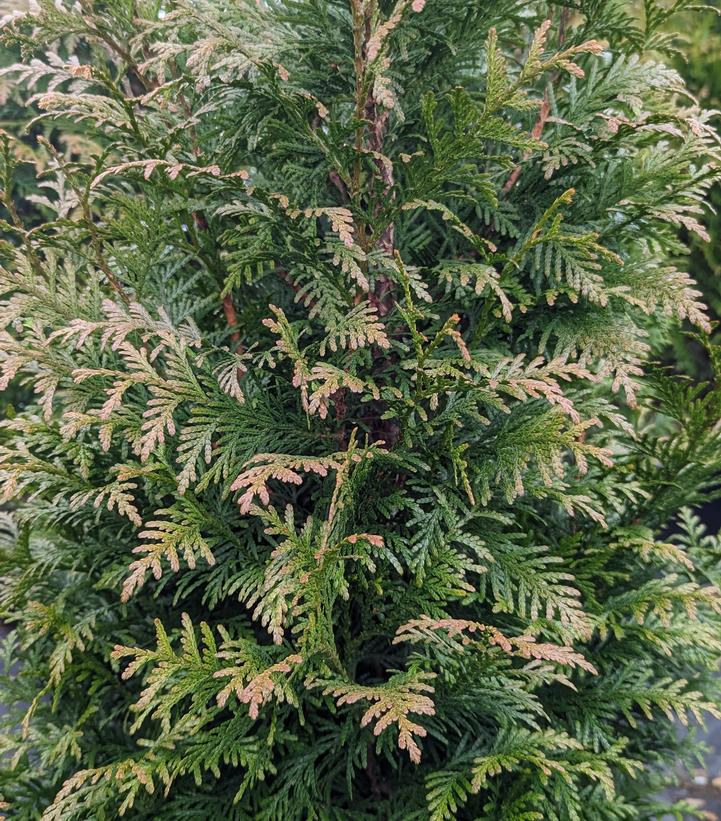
[(340, 483)]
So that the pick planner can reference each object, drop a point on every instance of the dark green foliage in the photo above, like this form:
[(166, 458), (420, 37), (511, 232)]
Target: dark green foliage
[(346, 487)]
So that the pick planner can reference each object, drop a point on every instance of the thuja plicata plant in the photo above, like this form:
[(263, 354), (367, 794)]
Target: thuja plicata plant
[(339, 480)]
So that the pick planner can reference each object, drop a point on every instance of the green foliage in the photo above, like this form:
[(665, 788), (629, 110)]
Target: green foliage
[(700, 67), (339, 481)]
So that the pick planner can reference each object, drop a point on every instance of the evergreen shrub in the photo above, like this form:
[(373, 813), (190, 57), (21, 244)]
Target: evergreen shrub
[(339, 480)]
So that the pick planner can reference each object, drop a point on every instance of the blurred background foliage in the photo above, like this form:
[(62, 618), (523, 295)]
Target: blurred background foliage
[(699, 62)]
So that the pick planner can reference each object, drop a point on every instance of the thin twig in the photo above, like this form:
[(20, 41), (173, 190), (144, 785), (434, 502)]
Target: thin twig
[(536, 134), (231, 317), (545, 109)]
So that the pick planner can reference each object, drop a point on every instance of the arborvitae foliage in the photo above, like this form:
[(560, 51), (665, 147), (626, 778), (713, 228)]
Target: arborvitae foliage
[(346, 484), (700, 64)]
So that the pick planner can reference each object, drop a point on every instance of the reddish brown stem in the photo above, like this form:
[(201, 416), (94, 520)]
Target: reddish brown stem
[(231, 317), (545, 109), (543, 113)]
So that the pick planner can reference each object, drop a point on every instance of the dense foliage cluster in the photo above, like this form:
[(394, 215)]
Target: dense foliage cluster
[(338, 479)]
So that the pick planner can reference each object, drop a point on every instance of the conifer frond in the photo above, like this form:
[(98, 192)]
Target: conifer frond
[(172, 677), (265, 467), (460, 633), (177, 534), (512, 750), (482, 276), (258, 688), (391, 703), (448, 790), (359, 328)]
